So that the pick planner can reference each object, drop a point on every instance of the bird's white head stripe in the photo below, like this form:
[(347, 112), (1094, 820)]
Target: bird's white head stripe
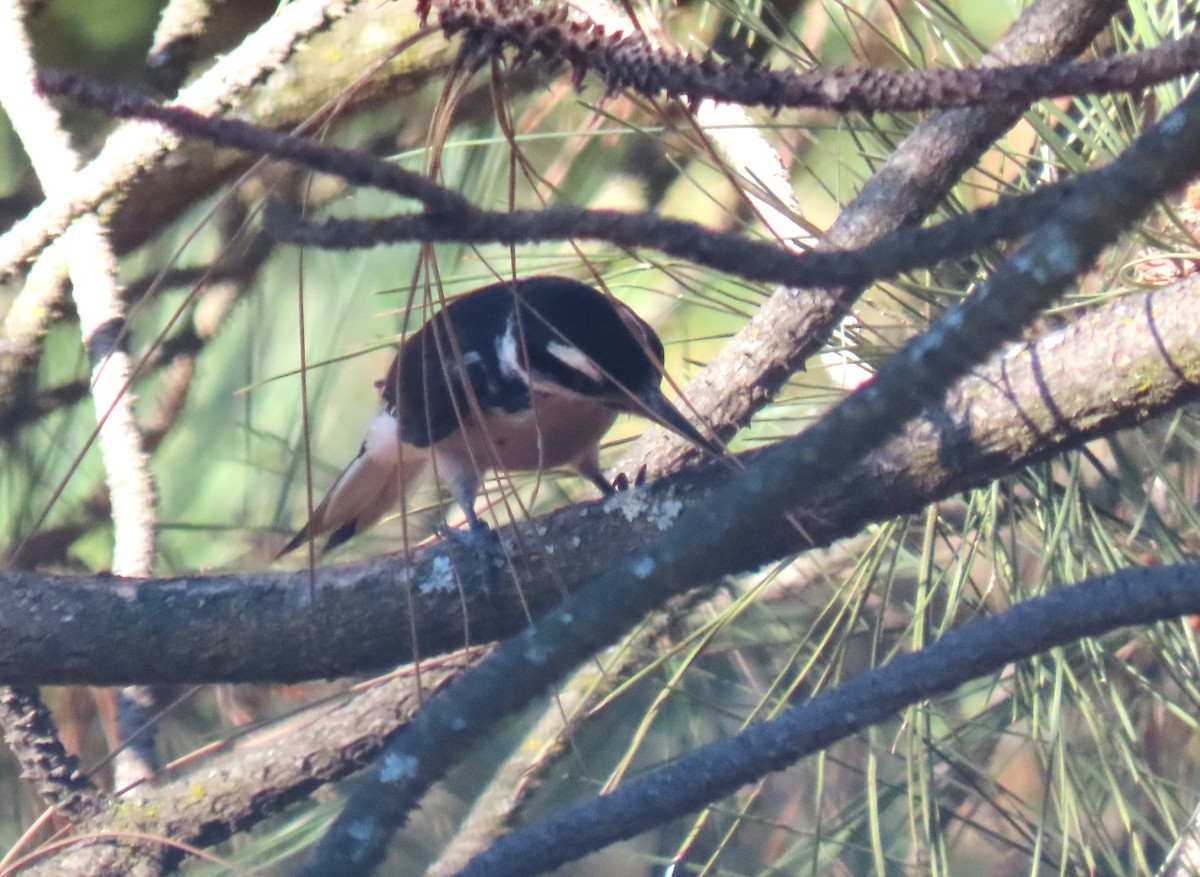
[(575, 358)]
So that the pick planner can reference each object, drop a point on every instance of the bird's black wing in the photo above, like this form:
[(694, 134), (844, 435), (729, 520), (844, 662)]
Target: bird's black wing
[(447, 371)]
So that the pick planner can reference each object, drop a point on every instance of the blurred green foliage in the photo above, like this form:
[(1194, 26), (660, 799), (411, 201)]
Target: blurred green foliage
[(101, 37)]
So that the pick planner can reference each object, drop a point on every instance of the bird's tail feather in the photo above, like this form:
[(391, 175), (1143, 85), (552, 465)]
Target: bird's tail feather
[(374, 482)]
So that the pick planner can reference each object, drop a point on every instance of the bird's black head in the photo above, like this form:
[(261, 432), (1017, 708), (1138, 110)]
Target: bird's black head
[(540, 334), (579, 338)]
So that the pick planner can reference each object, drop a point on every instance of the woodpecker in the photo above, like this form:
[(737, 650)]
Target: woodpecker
[(524, 375)]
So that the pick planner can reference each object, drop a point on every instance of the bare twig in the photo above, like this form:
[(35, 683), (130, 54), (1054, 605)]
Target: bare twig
[(361, 169), (735, 254)]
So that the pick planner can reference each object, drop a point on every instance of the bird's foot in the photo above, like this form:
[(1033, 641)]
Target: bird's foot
[(477, 538)]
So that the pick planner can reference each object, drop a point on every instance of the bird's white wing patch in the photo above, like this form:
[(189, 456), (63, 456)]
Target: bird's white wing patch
[(507, 355)]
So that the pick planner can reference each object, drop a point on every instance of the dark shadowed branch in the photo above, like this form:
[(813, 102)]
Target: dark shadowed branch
[(1157, 163), (984, 647)]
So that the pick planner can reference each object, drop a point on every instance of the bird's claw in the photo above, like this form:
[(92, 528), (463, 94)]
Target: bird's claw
[(621, 482), (477, 537)]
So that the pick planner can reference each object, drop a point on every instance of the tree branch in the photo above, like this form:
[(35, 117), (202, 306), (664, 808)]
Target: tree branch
[(33, 309), (252, 778), (1033, 401), (132, 150), (559, 36), (687, 554), (180, 27), (707, 774), (230, 273), (31, 734), (92, 267), (795, 322)]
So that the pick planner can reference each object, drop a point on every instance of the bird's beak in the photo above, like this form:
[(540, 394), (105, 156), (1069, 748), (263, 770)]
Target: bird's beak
[(654, 405)]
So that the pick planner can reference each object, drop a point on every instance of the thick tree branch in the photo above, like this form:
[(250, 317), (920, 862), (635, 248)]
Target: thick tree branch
[(1159, 161), (981, 648), (558, 35), (1033, 401), (794, 323)]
